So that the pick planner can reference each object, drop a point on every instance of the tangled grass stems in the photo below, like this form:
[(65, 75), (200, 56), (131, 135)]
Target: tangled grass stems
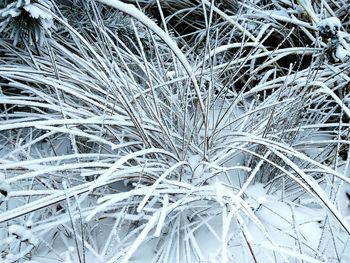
[(107, 157)]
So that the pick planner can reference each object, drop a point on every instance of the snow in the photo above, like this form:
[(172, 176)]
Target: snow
[(68, 255), (341, 53), (331, 23), (330, 29), (194, 160), (343, 48), (14, 10), (162, 216), (261, 200), (23, 234), (36, 12), (286, 219)]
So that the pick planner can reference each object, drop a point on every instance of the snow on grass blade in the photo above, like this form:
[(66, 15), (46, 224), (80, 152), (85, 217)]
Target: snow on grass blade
[(105, 176), (162, 215), (134, 12), (156, 183)]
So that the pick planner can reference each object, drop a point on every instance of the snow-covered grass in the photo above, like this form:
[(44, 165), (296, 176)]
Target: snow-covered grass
[(176, 131)]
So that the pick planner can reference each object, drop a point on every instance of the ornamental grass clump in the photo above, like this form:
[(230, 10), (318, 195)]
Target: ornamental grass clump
[(130, 134)]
